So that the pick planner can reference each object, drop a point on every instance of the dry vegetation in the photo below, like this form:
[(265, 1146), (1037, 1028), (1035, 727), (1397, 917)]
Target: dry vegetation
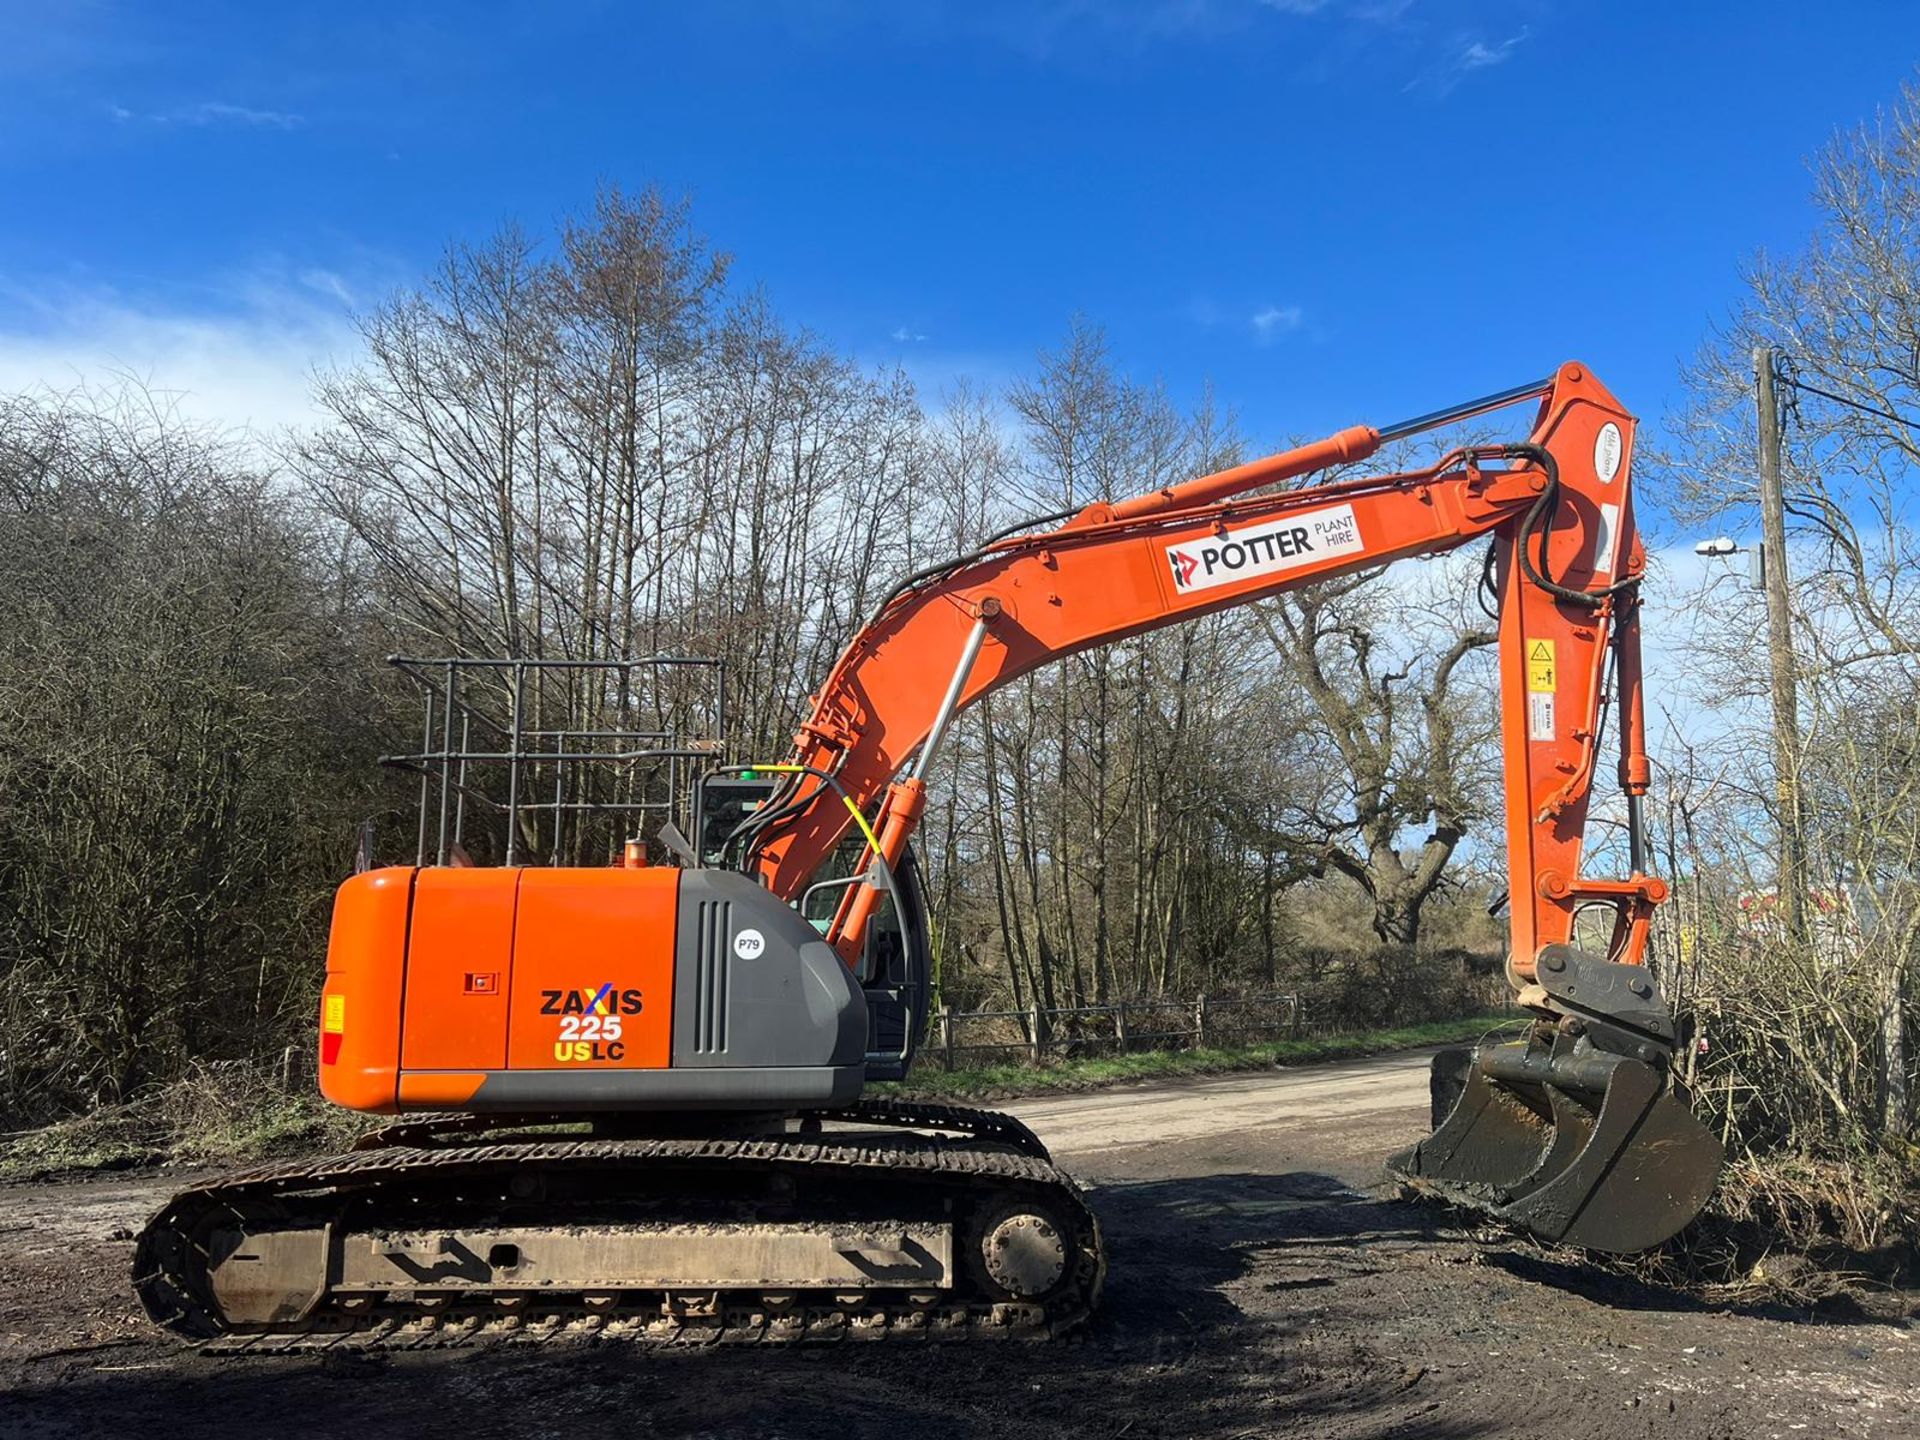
[(1805, 1012), (216, 1115)]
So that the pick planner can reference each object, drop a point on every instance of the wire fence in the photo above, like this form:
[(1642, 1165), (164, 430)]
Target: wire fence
[(1041, 1033)]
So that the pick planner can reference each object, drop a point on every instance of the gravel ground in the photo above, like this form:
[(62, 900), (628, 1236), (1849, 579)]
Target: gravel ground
[(1263, 1282)]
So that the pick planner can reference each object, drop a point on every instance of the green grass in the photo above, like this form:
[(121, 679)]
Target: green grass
[(219, 1117), (998, 1081)]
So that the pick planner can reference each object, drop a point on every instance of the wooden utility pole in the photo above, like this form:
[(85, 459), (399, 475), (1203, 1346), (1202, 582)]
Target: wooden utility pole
[(1792, 878)]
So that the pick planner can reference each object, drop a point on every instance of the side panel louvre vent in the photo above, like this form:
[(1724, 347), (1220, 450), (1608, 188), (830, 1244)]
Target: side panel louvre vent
[(710, 978)]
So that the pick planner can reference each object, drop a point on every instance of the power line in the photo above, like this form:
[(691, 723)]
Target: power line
[(1799, 384)]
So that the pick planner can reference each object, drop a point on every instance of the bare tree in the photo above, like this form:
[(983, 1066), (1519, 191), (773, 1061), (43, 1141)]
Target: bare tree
[(185, 754), (1845, 310), (1404, 755)]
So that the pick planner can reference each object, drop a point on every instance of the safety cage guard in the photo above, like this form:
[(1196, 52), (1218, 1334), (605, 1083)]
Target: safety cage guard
[(557, 762)]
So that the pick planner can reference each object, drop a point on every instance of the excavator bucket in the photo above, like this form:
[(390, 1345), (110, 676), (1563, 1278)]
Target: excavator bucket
[(1578, 1135)]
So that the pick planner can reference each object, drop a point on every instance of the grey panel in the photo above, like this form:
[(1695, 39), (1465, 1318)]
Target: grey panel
[(788, 1002), (705, 1088)]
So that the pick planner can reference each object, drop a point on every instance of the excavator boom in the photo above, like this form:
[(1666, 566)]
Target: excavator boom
[(1115, 570)]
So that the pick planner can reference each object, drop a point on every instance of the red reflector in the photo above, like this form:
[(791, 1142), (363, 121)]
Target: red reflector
[(329, 1048)]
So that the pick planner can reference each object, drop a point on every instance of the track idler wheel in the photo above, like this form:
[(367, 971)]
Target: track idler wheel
[(1578, 1136), (1022, 1251)]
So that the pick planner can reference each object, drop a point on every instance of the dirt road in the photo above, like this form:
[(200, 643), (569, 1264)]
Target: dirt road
[(1151, 1132), (1260, 1286)]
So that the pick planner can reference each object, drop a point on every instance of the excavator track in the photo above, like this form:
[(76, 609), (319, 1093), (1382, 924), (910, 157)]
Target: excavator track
[(964, 1120), (456, 1239)]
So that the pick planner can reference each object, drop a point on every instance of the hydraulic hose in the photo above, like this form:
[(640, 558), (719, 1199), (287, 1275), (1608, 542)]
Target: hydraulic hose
[(1544, 509)]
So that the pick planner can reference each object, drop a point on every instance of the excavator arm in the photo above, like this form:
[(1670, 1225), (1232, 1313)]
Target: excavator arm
[(1579, 1133)]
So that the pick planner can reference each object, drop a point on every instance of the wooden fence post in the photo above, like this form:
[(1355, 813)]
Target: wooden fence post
[(1120, 1025), (1200, 1022), (1033, 1029), (1293, 1008), (946, 1034)]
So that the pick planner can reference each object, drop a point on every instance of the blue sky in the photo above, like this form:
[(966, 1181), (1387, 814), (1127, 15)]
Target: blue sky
[(1335, 210)]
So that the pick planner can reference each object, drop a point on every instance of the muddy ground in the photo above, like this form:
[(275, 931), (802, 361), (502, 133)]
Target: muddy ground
[(1263, 1283)]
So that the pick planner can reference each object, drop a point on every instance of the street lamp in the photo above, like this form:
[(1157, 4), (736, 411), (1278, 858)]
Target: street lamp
[(1725, 547)]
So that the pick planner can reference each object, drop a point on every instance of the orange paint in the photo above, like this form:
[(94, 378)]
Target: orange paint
[(437, 1090), (582, 935), (462, 934), (366, 960), (498, 969)]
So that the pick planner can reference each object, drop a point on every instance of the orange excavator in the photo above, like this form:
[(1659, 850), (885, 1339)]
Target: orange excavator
[(636, 1090)]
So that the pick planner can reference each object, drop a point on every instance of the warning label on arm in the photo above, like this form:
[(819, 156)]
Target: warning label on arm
[(1540, 667)]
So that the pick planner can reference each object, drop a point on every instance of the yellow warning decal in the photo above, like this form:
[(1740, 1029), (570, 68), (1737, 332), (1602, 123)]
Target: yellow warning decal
[(1540, 666), (333, 1018)]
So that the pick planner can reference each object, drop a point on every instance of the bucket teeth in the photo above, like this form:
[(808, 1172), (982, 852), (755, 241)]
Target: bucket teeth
[(1571, 1142)]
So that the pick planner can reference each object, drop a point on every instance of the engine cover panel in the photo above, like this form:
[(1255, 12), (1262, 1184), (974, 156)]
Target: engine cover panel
[(541, 990)]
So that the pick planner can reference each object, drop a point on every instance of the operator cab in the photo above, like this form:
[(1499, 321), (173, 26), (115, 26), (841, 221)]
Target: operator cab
[(895, 965)]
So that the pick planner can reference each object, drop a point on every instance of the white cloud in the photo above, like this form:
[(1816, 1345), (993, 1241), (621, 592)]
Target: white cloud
[(1267, 322), (326, 282), (1464, 57), (212, 112), (906, 336), (247, 365), (1272, 321), (1479, 55)]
